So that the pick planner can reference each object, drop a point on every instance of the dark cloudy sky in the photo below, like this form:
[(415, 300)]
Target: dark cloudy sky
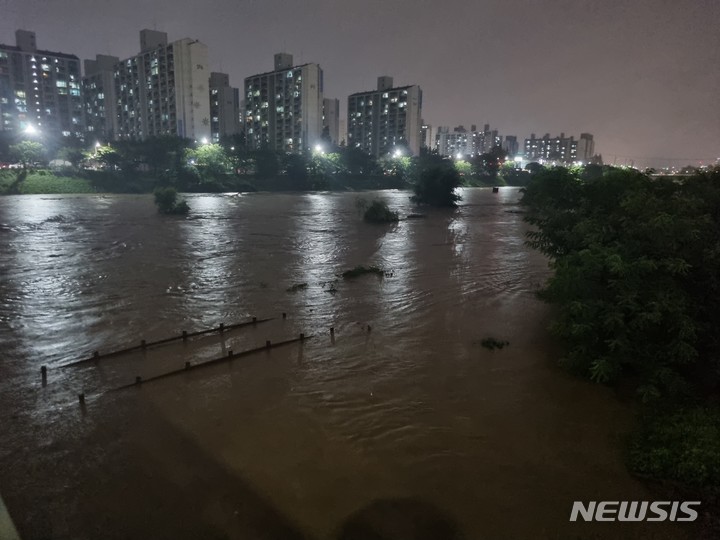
[(642, 75)]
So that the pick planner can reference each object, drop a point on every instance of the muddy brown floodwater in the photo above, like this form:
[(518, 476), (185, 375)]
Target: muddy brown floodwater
[(411, 422)]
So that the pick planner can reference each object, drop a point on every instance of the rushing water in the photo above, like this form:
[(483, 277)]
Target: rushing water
[(400, 416)]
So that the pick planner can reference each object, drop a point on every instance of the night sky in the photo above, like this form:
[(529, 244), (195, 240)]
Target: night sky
[(642, 75)]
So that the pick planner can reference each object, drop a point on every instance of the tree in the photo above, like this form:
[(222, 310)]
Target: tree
[(464, 168), (74, 156), (487, 165), (167, 203), (636, 262), (164, 155), (266, 163), (512, 176), (296, 169), (210, 161), (436, 187), (109, 157), (27, 152), (358, 162)]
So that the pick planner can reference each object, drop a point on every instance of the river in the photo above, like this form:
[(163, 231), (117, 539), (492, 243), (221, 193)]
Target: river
[(400, 417)]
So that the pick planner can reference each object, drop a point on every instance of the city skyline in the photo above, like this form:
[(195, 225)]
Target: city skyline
[(642, 78)]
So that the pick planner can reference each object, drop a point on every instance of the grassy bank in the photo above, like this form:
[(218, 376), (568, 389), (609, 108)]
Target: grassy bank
[(16, 181), (37, 182)]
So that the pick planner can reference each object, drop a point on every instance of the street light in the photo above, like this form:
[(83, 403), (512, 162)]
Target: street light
[(458, 155), (31, 130), (398, 153), (204, 140)]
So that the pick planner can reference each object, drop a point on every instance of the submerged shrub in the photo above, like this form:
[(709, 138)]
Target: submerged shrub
[(492, 343), (297, 287), (167, 203), (379, 212), (362, 270)]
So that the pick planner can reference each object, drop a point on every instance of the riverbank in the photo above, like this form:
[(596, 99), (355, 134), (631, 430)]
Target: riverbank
[(41, 181), (48, 182), (38, 182)]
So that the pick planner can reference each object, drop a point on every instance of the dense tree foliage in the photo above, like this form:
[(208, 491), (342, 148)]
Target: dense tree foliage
[(636, 287), (27, 152), (436, 187), (230, 165), (636, 273)]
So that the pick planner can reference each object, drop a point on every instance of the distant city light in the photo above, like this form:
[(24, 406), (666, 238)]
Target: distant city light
[(518, 159)]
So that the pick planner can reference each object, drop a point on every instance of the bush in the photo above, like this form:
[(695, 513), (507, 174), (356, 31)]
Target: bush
[(167, 203), (492, 343), (436, 187), (362, 270), (682, 446), (379, 212), (297, 287)]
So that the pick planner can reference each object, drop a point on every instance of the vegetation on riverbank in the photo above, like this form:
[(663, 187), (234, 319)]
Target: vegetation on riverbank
[(636, 287), (23, 182), (230, 166)]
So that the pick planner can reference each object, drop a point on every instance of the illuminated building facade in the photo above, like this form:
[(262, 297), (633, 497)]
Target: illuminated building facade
[(164, 89), (98, 86), (466, 143), (331, 119), (562, 149), (224, 107), (284, 107), (383, 120), (39, 89)]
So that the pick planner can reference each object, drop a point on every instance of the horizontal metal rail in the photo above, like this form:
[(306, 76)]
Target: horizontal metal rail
[(146, 345), (230, 356)]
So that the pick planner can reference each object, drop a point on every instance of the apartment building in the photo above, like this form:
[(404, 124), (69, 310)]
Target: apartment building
[(284, 107), (388, 118), (39, 89)]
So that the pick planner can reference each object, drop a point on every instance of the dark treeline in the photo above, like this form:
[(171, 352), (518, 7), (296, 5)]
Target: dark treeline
[(636, 296), (141, 166)]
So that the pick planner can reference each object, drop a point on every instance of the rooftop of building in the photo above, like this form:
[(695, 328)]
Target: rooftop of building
[(39, 52), (282, 70), (376, 91)]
